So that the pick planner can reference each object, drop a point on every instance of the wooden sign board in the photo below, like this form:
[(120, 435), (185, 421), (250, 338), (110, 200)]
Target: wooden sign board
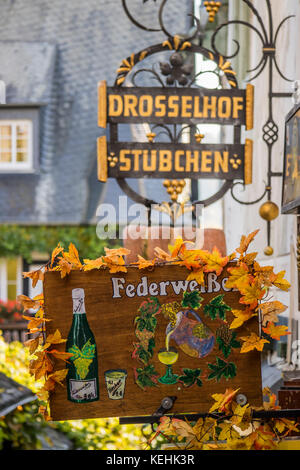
[(168, 160), (174, 105), (130, 311)]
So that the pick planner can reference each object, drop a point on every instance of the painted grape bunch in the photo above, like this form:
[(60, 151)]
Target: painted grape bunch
[(83, 358)]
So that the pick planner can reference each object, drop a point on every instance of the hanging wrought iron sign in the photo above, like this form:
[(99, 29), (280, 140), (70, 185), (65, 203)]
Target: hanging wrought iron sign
[(177, 105)]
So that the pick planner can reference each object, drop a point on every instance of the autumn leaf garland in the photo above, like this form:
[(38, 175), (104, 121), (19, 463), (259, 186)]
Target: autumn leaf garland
[(247, 276)]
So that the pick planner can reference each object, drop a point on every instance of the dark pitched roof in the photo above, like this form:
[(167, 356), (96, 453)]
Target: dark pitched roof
[(12, 394)]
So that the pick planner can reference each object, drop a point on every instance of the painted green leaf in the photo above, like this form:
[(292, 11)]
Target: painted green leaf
[(217, 307), (192, 300), (190, 377), (146, 377), (227, 344), (222, 369)]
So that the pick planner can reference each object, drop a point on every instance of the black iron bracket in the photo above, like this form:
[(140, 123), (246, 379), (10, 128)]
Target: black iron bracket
[(261, 415)]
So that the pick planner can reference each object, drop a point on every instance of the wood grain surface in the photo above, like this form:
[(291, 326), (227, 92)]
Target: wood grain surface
[(112, 322)]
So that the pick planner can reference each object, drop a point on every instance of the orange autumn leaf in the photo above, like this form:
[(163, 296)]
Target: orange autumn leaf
[(214, 261), (64, 356), (241, 316), (35, 276), (56, 377), (280, 282), (252, 342), (32, 344), (245, 242), (115, 264), (116, 251), (35, 322), (72, 256), (264, 439), (54, 338), (27, 302), (65, 267), (271, 310), (264, 274), (41, 366), (223, 400), (59, 249), (239, 276), (276, 331), (249, 258), (193, 259), (143, 263), (90, 264)]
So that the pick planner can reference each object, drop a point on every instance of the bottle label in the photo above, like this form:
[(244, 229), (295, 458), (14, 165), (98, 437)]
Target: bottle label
[(83, 389)]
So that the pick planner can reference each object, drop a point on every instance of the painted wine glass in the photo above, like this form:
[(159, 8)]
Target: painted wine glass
[(168, 357)]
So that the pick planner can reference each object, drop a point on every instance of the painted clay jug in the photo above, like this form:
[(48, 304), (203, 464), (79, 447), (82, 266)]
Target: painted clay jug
[(191, 335)]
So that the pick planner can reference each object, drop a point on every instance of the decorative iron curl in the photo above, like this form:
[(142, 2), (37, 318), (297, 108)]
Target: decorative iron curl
[(246, 203)]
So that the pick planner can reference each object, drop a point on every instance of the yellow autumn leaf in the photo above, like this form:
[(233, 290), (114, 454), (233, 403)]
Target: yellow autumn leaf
[(280, 282), (32, 344), (251, 294), (252, 342), (90, 264), (177, 248), (241, 316), (239, 277), (64, 266), (196, 275), (54, 338), (223, 400)]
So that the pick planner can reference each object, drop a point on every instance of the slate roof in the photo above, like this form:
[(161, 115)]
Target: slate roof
[(56, 52), (12, 394)]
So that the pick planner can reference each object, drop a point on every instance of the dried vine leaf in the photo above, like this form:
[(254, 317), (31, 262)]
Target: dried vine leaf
[(270, 311), (245, 242)]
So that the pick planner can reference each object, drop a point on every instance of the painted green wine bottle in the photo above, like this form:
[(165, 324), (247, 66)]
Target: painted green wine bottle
[(82, 378)]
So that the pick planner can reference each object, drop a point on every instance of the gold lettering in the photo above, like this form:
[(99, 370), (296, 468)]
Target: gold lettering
[(206, 161), (165, 160), (221, 161), (130, 104), (197, 113), (178, 154), (152, 166), (209, 106), (125, 160), (115, 105), (160, 107), (185, 105), (192, 160), (146, 105), (224, 113), (237, 106), (136, 155), (173, 106)]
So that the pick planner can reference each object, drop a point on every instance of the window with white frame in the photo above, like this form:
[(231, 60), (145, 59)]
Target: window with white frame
[(16, 149), (10, 278)]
